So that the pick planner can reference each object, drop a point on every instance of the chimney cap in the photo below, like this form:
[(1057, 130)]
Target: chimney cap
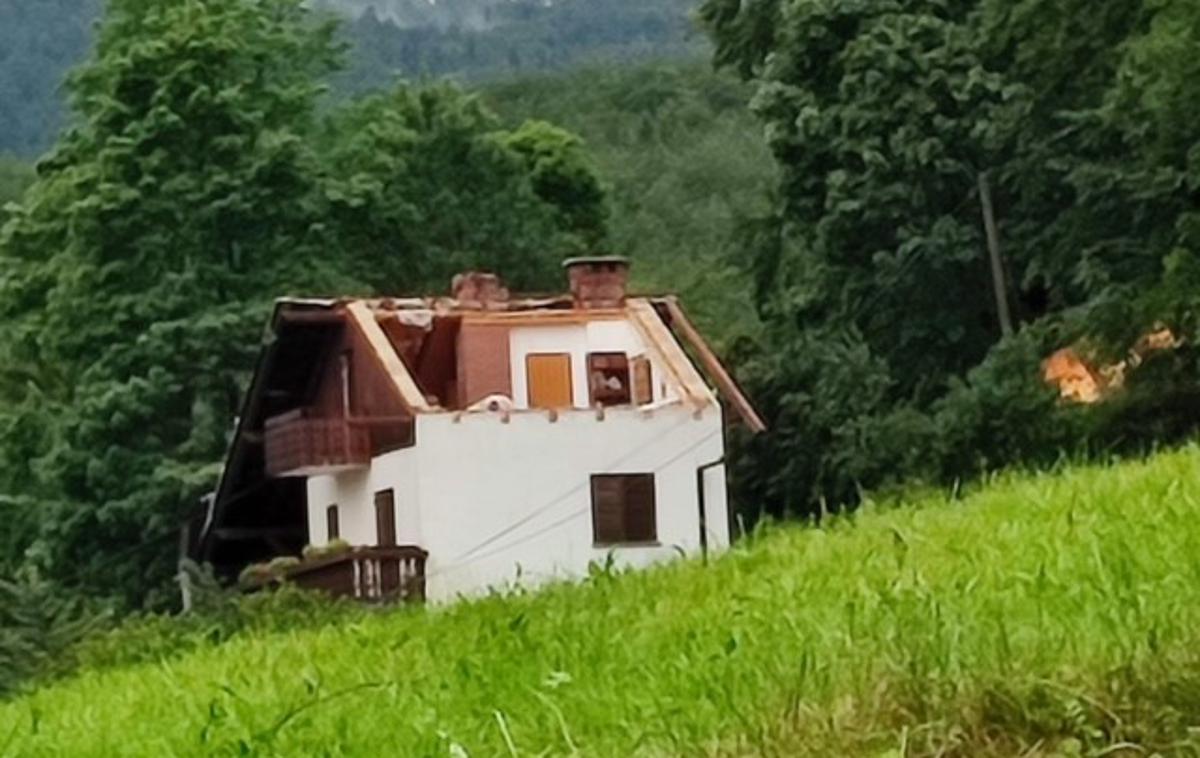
[(596, 260)]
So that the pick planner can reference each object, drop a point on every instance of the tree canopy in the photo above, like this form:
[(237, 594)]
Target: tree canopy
[(198, 184), (467, 39), (883, 356)]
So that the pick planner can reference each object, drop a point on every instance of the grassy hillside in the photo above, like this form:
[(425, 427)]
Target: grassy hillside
[(1051, 613)]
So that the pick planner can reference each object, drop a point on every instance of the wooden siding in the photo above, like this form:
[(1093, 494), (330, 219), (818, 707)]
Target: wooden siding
[(373, 574), (372, 402), (299, 446)]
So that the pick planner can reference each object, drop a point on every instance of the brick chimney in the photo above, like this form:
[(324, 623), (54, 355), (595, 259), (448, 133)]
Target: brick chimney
[(477, 289), (598, 281)]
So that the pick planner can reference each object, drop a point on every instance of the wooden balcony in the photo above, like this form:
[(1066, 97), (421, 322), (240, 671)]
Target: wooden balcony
[(372, 574), (296, 445)]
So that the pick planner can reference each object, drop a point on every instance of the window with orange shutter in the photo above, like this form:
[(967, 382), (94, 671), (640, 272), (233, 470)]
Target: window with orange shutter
[(548, 379)]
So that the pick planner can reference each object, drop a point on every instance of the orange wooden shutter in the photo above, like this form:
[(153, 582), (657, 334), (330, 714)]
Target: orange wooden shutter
[(549, 379)]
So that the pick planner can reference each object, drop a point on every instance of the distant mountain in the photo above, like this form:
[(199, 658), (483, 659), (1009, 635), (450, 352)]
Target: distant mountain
[(483, 39), (39, 41), (467, 39), (474, 15)]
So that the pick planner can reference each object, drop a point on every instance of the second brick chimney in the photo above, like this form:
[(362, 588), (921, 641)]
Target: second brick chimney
[(476, 289), (598, 281)]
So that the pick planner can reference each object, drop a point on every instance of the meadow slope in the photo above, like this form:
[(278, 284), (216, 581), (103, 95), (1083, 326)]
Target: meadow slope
[(1045, 614)]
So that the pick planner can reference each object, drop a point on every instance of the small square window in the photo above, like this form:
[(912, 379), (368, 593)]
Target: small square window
[(623, 509), (608, 378)]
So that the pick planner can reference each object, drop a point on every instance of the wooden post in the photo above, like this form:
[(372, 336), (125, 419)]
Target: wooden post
[(993, 242)]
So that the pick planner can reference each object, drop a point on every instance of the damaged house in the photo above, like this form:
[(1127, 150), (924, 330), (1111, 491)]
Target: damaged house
[(448, 445)]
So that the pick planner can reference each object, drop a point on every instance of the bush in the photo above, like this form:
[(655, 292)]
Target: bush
[(328, 550), (39, 625), (220, 616), (839, 427)]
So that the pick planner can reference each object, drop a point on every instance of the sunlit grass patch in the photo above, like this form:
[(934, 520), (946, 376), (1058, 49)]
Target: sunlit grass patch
[(1048, 614)]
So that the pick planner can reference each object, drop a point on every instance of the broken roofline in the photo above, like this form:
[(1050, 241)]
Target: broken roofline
[(668, 310), (658, 314)]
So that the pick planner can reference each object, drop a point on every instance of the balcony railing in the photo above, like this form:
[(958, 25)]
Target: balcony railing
[(299, 446), (373, 574)]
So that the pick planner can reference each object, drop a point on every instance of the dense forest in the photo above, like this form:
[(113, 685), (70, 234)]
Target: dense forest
[(885, 356), (819, 200), (465, 39)]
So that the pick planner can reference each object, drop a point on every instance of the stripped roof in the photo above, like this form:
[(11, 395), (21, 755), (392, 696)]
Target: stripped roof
[(302, 329), (661, 321)]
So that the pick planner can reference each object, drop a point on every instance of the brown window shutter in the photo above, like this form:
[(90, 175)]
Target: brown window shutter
[(623, 509), (608, 509), (640, 514), (643, 381), (385, 518), (332, 527)]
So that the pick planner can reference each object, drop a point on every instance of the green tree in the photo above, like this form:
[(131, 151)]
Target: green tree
[(197, 186), (140, 262), (426, 183), (882, 117), (39, 625), (684, 165), (15, 176)]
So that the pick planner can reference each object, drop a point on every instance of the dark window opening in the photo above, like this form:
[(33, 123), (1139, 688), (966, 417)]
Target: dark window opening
[(332, 527), (608, 378), (385, 518), (623, 509)]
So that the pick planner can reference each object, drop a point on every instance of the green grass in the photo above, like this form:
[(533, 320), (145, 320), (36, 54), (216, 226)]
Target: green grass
[(1043, 615)]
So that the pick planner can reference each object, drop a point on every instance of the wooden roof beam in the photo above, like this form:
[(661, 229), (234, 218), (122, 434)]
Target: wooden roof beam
[(363, 319), (660, 341), (726, 384)]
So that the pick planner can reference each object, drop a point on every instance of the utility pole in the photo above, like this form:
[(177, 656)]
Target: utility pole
[(993, 243)]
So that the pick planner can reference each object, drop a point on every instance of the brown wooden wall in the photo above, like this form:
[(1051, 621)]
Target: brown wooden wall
[(372, 395)]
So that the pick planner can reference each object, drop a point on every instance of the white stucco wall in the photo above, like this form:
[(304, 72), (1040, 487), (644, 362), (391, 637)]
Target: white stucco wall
[(500, 503), (497, 502), (354, 494), (577, 340)]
